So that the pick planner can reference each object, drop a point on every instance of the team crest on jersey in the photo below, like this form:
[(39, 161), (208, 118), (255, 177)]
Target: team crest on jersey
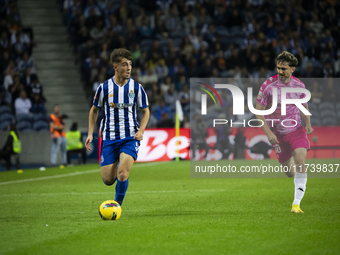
[(131, 94)]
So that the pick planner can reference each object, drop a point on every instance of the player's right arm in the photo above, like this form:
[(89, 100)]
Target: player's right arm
[(93, 115), (270, 135), (92, 121)]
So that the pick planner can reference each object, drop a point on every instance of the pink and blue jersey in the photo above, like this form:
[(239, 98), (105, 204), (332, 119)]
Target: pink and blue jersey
[(264, 98), (119, 102)]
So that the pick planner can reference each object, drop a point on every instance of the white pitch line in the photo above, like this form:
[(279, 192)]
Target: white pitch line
[(71, 174), (106, 193)]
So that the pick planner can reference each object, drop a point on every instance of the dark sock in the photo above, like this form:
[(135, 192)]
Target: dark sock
[(121, 188)]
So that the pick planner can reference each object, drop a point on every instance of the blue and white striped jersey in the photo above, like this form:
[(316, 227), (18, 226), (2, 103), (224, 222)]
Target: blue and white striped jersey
[(120, 120)]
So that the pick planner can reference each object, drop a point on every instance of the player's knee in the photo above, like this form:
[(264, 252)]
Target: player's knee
[(300, 166), (290, 174), (123, 174), (108, 181)]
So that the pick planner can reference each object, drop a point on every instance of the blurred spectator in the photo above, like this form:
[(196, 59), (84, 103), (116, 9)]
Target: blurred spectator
[(12, 146), (26, 62), (36, 88), (8, 80), (155, 94), (171, 96), (98, 31), (16, 87), (75, 144), (189, 22), (148, 78), (27, 78), (5, 97), (5, 44), (313, 51), (161, 70), (22, 104), (161, 109), (222, 139), (316, 26), (166, 85), (165, 122), (101, 79), (203, 18), (59, 141), (184, 98), (38, 105)]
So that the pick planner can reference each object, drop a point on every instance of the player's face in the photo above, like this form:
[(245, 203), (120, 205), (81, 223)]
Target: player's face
[(284, 71), (124, 68)]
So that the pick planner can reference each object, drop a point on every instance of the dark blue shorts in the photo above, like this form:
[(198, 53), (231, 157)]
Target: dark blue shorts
[(112, 149)]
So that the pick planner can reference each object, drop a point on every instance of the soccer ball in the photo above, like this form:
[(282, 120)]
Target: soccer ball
[(110, 210)]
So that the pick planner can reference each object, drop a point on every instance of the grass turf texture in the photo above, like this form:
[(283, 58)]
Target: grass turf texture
[(166, 212)]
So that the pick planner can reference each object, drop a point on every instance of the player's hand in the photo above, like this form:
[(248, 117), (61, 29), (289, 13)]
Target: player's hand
[(272, 138), (88, 141), (309, 129), (138, 136)]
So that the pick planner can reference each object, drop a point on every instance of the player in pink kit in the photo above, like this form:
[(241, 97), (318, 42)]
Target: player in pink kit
[(289, 139)]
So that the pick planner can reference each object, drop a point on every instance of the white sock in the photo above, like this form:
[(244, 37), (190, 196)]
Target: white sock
[(300, 181)]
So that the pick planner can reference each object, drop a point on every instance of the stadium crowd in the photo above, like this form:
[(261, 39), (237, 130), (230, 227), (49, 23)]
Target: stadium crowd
[(172, 41), (21, 94)]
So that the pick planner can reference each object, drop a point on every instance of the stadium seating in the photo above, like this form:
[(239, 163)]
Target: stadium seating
[(312, 106), (24, 126), (5, 109), (315, 121), (23, 117), (328, 113), (39, 117), (4, 125), (337, 107), (326, 105), (146, 44), (329, 121), (7, 117), (41, 126)]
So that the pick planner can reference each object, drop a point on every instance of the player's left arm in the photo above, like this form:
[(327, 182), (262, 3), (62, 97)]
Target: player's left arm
[(144, 122), (306, 119)]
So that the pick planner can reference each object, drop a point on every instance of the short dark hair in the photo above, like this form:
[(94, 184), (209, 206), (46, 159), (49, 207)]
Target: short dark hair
[(118, 54), (288, 57)]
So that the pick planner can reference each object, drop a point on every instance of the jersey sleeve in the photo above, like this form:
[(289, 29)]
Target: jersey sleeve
[(262, 97), (142, 98), (98, 98)]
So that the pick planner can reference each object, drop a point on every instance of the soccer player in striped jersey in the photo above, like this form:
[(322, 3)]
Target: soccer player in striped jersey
[(121, 133), (290, 143)]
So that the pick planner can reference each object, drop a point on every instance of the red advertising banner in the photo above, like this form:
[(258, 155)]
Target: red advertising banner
[(324, 141), (160, 144)]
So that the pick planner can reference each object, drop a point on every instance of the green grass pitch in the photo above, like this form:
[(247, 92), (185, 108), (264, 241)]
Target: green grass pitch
[(166, 212)]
